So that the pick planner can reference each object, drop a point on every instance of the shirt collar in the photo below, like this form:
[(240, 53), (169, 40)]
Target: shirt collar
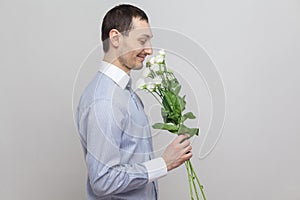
[(115, 73)]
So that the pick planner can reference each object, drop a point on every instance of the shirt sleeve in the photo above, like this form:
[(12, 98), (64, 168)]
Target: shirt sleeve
[(107, 176), (156, 169)]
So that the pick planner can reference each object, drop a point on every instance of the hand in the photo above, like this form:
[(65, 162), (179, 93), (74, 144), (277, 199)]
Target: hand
[(177, 152)]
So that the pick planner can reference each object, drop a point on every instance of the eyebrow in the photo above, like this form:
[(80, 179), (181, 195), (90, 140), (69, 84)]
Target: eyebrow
[(147, 36)]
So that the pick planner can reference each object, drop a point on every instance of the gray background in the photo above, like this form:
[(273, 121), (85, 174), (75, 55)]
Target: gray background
[(254, 44)]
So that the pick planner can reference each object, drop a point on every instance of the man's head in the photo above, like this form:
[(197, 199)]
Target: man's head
[(126, 37)]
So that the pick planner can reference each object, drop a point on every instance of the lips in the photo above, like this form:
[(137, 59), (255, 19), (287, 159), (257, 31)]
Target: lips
[(141, 57)]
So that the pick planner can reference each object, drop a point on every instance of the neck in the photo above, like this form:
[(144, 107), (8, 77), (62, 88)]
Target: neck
[(116, 62)]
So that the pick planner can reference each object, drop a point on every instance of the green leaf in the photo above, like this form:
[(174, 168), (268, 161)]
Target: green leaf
[(177, 89), (165, 126), (188, 115), (191, 131), (164, 114), (166, 104), (174, 118), (182, 129), (172, 105), (173, 83), (182, 102), (169, 101)]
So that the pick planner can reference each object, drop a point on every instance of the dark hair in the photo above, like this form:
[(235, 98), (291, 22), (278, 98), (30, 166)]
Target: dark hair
[(120, 18)]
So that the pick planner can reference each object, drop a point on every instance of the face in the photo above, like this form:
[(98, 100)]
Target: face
[(135, 46)]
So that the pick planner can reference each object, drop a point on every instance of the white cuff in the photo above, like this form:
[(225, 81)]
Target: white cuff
[(156, 169)]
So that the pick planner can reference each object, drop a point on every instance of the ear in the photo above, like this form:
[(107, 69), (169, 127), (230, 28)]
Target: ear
[(115, 37)]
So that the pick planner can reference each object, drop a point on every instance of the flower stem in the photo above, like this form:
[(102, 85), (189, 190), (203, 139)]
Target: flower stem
[(197, 179), (189, 178), (193, 179), (159, 91), (154, 96)]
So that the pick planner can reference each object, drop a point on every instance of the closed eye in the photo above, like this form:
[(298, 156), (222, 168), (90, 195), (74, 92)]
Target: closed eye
[(142, 42)]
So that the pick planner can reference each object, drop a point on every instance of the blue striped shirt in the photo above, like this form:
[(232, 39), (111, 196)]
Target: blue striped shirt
[(116, 139)]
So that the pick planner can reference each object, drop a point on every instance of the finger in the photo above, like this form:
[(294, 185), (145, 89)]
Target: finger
[(187, 156), (187, 137), (182, 137), (185, 143), (186, 149)]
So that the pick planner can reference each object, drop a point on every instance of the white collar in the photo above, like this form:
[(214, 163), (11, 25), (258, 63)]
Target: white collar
[(115, 73)]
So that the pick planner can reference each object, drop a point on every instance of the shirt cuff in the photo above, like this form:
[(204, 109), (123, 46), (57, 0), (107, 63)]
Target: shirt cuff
[(156, 169)]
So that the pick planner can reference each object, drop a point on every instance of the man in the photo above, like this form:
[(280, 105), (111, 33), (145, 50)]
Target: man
[(114, 130)]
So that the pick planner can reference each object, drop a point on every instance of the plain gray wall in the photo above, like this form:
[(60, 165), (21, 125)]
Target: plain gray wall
[(254, 44)]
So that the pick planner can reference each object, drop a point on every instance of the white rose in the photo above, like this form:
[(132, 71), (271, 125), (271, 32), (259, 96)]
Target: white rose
[(162, 52), (146, 72), (157, 80), (150, 86), (152, 60), (159, 59), (155, 67), (140, 84)]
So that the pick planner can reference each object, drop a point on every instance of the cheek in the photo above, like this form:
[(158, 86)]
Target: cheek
[(129, 58), (134, 47), (132, 54), (129, 51)]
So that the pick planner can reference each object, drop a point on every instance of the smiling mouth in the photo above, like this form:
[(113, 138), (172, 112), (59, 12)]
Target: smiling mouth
[(141, 57)]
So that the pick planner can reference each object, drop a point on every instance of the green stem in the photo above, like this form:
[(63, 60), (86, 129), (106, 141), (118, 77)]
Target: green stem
[(159, 91), (162, 75), (198, 181), (193, 179), (152, 73), (165, 74), (189, 178), (154, 96)]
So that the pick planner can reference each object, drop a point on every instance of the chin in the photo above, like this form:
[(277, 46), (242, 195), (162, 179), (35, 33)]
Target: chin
[(138, 66)]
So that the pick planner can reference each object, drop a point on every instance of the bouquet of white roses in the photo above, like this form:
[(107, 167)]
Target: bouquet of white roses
[(165, 88)]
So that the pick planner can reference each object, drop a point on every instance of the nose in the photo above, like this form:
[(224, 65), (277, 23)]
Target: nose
[(148, 50)]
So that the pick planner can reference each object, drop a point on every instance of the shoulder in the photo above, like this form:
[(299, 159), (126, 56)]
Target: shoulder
[(105, 92)]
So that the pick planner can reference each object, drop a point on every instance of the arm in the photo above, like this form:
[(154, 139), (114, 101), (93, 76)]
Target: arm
[(103, 138)]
